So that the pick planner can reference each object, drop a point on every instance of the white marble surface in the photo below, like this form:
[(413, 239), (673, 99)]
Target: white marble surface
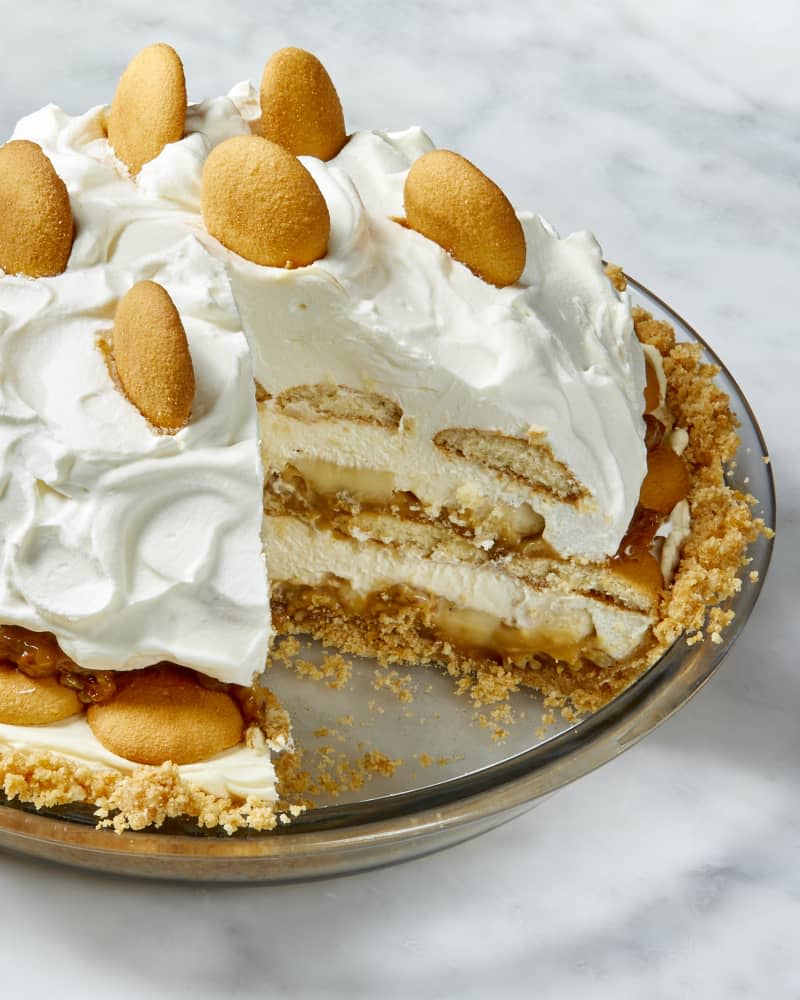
[(673, 133)]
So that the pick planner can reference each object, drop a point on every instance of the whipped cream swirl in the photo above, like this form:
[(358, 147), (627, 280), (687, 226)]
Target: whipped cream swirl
[(131, 546)]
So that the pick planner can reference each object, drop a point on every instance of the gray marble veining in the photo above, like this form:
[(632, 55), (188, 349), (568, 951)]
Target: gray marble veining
[(672, 131)]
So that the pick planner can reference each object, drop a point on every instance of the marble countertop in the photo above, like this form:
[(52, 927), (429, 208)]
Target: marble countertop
[(672, 131)]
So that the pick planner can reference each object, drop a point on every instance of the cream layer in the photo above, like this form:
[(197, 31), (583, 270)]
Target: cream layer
[(300, 554), (243, 772)]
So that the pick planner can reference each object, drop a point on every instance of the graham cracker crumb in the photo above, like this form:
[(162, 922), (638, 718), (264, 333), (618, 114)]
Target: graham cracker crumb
[(284, 650), (653, 331), (338, 668), (546, 721), (376, 762), (616, 276), (294, 782), (498, 733), (399, 685), (277, 725), (330, 773), (498, 720), (334, 670)]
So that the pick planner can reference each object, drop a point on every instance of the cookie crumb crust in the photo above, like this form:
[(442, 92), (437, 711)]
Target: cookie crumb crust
[(147, 797)]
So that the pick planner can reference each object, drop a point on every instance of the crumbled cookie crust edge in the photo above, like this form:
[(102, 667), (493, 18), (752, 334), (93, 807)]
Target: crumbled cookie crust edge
[(146, 797)]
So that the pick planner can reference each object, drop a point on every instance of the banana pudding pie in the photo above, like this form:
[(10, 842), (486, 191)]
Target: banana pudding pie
[(259, 377)]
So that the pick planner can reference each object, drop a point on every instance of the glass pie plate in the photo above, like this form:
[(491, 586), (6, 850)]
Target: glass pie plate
[(455, 781)]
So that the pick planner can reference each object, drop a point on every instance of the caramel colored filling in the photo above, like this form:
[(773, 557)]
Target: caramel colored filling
[(472, 632), (652, 390), (634, 561), (666, 482), (38, 656), (339, 498)]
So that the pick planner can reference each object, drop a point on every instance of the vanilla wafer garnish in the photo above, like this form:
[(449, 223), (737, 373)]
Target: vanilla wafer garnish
[(149, 106), (34, 701), (300, 109), (260, 201), (151, 356), (36, 226), (162, 713), (451, 202)]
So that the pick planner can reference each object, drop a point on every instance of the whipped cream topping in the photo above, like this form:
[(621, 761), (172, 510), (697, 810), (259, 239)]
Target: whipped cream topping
[(245, 770), (131, 546)]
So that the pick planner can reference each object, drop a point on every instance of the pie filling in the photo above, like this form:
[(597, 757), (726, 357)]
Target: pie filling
[(351, 500), (441, 631), (471, 603), (361, 503)]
